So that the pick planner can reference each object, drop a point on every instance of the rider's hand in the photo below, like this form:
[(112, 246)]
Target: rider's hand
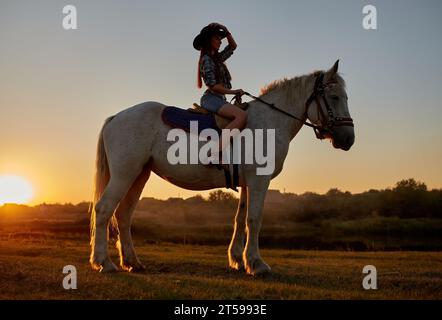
[(224, 28), (220, 26), (239, 92)]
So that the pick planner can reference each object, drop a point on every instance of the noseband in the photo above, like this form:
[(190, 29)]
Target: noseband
[(325, 130)]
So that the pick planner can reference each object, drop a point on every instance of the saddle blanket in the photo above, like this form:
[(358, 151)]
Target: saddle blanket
[(180, 118)]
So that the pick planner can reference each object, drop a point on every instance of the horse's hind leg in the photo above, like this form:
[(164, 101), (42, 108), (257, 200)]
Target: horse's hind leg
[(123, 215), (113, 193), (236, 246)]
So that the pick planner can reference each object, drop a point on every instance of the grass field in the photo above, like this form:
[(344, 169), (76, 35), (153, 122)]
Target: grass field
[(32, 269)]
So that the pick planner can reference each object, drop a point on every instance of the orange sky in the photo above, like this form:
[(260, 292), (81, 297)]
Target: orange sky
[(58, 86)]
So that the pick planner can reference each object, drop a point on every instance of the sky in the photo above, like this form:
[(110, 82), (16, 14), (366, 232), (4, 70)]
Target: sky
[(57, 86)]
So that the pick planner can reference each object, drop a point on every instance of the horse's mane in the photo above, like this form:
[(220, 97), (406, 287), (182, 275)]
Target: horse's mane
[(296, 84)]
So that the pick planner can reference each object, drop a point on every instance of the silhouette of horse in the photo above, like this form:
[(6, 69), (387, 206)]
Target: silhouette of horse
[(133, 143)]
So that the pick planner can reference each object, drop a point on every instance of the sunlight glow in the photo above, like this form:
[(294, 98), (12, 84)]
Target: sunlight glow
[(15, 189)]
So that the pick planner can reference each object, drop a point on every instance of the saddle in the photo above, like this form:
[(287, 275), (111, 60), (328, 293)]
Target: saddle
[(220, 121), (180, 118)]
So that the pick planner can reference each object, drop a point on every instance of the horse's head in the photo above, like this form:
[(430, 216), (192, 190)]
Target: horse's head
[(327, 108)]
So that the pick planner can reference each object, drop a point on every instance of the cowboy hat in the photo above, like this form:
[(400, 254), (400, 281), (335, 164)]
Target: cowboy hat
[(205, 34)]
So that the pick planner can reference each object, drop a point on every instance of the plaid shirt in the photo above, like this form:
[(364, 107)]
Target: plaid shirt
[(209, 72)]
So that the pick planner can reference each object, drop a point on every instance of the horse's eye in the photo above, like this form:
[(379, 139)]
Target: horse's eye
[(336, 98)]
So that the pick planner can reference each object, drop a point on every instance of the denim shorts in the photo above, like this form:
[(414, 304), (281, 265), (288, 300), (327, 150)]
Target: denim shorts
[(212, 102)]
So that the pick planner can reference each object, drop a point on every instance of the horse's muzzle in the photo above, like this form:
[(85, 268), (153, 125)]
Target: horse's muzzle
[(343, 138)]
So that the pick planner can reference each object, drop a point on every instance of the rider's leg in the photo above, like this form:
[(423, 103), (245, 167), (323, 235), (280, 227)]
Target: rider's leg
[(238, 117)]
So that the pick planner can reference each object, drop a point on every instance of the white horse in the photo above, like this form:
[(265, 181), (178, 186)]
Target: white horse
[(133, 143)]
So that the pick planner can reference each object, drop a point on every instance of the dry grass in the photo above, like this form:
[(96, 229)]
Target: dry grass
[(31, 269)]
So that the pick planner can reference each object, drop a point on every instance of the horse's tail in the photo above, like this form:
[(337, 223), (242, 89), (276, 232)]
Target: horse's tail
[(101, 178)]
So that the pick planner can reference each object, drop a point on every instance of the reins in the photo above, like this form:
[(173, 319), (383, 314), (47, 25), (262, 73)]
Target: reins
[(321, 131), (280, 110)]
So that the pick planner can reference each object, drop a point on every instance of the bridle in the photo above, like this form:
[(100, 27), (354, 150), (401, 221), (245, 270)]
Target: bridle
[(322, 131), (325, 130)]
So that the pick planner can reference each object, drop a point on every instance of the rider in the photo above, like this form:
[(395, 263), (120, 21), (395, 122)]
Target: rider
[(216, 76)]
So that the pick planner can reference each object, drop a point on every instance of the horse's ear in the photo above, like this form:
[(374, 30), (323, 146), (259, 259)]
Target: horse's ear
[(335, 67)]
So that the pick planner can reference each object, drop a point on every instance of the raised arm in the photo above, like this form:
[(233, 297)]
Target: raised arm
[(231, 41), (228, 50)]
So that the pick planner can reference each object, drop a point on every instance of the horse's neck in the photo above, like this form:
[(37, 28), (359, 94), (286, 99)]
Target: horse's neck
[(271, 118)]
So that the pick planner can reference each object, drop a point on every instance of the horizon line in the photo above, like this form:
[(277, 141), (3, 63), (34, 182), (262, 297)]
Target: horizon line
[(278, 190)]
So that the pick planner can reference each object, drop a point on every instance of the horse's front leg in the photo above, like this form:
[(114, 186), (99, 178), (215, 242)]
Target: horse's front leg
[(236, 246), (256, 192)]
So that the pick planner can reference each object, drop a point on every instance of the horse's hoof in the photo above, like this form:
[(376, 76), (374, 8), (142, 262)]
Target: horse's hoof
[(108, 267), (133, 267), (95, 266), (236, 263), (137, 268), (236, 266), (257, 268)]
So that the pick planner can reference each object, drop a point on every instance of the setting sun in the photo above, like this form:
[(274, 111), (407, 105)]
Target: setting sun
[(15, 189)]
